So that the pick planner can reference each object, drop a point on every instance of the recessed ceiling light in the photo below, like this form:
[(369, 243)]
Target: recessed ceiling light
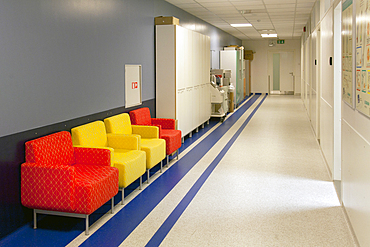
[(241, 25), (269, 35)]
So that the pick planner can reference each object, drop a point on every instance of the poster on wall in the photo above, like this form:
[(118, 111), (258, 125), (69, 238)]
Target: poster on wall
[(363, 56), (347, 72), (132, 85)]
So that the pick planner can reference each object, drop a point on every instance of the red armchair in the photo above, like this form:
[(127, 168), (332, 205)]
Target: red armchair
[(167, 129), (59, 179)]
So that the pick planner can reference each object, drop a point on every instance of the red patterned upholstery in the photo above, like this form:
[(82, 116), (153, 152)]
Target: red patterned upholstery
[(95, 185), (141, 116), (167, 127), (59, 177), (173, 140)]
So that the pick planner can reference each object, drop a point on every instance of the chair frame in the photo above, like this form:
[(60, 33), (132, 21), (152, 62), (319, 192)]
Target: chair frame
[(57, 213)]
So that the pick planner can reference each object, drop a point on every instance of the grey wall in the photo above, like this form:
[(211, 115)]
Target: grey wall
[(62, 64), (61, 59)]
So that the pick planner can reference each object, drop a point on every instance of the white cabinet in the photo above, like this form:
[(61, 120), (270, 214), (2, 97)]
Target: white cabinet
[(182, 76)]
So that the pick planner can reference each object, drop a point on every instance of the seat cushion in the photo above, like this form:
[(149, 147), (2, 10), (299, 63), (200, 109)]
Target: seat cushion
[(131, 165), (95, 185), (155, 150), (173, 140)]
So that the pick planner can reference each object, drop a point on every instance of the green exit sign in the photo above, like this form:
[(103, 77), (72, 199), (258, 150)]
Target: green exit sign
[(280, 41)]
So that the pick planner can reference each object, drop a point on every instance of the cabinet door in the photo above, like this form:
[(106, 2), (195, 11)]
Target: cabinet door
[(188, 109), (189, 59), (207, 61), (205, 71), (206, 102), (180, 57), (196, 37), (165, 71), (196, 106), (180, 113), (202, 103)]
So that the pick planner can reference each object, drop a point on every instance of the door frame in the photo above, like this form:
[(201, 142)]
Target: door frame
[(270, 70)]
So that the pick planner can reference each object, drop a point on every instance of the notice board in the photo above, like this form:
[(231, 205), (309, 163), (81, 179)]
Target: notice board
[(133, 85), (347, 66), (363, 56)]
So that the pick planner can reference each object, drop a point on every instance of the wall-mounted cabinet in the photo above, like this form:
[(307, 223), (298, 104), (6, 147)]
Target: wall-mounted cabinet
[(182, 76)]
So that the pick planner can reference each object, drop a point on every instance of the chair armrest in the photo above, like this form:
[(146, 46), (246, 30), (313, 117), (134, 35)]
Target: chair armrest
[(166, 123), (93, 156), (121, 141), (146, 131), (49, 187)]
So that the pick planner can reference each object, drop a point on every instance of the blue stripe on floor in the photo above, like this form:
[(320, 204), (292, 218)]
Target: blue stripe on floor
[(118, 228), (162, 232)]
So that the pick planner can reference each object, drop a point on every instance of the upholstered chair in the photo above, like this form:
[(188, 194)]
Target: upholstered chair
[(59, 179), (167, 129), (125, 150), (154, 147)]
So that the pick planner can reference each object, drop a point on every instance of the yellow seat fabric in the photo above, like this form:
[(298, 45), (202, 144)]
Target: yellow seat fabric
[(125, 149), (154, 147)]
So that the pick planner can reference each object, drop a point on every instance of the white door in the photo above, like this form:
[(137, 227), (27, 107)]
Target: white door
[(286, 71), (281, 71)]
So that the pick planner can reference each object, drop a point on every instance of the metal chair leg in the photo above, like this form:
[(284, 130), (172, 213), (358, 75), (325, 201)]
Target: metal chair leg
[(34, 219), (147, 175), (87, 225), (112, 209), (177, 151), (141, 182), (123, 195), (168, 160), (161, 166)]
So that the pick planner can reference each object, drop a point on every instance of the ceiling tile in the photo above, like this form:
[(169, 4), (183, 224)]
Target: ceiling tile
[(286, 16)]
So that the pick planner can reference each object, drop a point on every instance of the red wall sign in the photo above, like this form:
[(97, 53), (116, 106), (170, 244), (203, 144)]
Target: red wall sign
[(134, 84)]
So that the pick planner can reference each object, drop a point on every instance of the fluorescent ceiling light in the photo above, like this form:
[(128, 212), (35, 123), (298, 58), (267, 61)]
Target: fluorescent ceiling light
[(241, 25), (267, 35)]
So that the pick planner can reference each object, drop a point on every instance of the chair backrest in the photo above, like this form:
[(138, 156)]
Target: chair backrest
[(141, 116), (90, 135), (119, 124), (54, 149)]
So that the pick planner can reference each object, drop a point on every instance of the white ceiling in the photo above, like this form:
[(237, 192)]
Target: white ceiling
[(284, 17)]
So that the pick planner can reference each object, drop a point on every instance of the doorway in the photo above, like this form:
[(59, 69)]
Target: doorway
[(281, 72)]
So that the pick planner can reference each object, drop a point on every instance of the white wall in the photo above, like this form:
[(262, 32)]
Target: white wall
[(356, 171), (259, 65), (327, 90), (355, 133)]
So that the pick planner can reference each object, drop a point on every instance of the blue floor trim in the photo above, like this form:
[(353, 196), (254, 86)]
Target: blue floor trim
[(162, 232), (59, 231)]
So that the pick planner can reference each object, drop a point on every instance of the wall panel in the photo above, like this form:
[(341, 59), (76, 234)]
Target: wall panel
[(355, 181), (327, 90)]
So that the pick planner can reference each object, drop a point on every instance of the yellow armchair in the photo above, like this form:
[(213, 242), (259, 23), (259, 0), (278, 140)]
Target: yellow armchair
[(154, 147), (125, 150)]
